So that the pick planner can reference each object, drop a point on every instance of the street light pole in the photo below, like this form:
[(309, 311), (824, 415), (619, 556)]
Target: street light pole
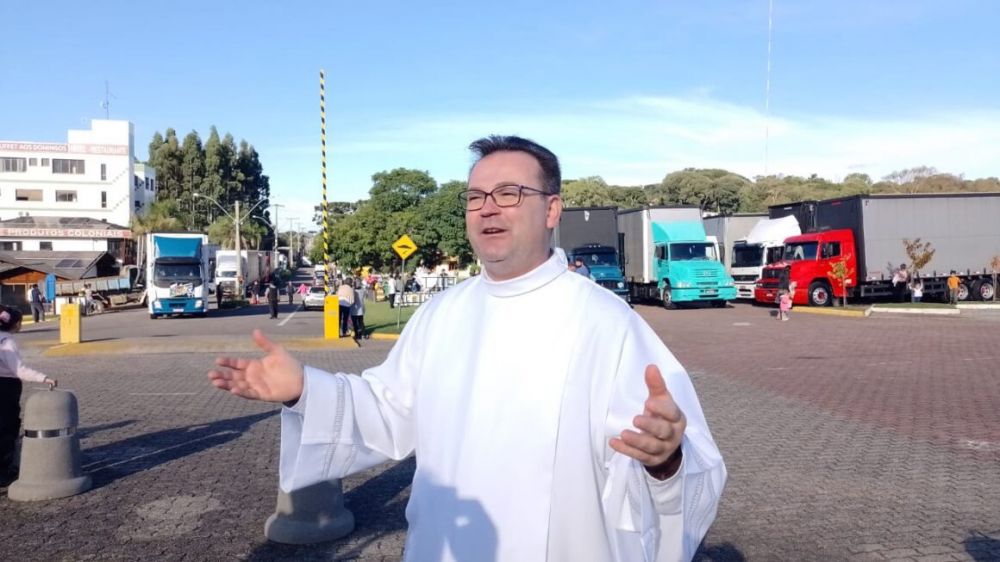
[(237, 221), (239, 256)]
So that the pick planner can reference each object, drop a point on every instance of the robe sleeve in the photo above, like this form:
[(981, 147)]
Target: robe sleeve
[(343, 424), (669, 517)]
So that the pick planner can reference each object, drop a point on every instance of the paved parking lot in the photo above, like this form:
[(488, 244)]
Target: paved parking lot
[(845, 439)]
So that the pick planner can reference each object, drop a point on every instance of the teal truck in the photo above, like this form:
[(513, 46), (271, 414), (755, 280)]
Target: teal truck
[(669, 259)]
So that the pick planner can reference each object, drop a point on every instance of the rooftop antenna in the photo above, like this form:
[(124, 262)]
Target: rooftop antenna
[(106, 104), (767, 85)]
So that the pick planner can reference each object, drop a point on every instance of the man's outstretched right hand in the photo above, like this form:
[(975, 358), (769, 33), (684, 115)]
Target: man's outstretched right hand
[(276, 377)]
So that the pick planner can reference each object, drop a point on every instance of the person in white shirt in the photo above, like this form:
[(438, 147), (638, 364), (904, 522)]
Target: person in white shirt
[(12, 372), (580, 439)]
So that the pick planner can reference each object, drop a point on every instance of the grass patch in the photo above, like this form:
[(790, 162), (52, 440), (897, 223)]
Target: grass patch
[(914, 305), (380, 319)]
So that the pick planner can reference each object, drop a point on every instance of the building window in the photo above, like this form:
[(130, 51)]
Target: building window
[(42, 246), (67, 166), (104, 199), (66, 196), (10, 246), (28, 195), (104, 172), (32, 161), (152, 185), (45, 162), (11, 164)]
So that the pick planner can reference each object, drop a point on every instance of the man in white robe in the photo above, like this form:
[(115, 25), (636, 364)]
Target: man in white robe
[(549, 422)]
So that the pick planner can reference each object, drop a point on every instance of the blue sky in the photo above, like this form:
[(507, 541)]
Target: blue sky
[(626, 90)]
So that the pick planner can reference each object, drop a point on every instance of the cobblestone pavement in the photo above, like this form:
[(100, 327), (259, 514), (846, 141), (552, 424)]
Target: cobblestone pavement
[(845, 439)]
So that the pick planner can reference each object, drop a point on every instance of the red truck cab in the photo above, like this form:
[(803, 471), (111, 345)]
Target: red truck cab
[(808, 259)]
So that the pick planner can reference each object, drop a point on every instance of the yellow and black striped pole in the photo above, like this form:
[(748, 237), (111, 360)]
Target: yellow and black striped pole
[(326, 224)]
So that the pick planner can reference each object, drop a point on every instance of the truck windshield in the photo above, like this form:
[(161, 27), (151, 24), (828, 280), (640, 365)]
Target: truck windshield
[(748, 255), (687, 251), (226, 274), (774, 254), (177, 272), (598, 258), (800, 251)]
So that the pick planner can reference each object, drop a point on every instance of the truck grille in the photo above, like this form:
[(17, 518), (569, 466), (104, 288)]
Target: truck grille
[(608, 284), (744, 278), (705, 273)]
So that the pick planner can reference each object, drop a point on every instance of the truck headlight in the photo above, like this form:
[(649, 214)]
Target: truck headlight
[(156, 304), (198, 303), (621, 284), (683, 284)]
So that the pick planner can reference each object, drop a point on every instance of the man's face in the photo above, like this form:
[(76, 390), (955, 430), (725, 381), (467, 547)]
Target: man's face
[(511, 241)]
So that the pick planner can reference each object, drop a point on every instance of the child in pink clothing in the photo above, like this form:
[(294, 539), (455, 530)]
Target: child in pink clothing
[(784, 305)]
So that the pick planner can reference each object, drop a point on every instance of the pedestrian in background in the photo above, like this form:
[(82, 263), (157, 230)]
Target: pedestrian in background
[(900, 281), (345, 294), (12, 372), (953, 283), (916, 290), (784, 305), (390, 290), (272, 298), (358, 312), (37, 304)]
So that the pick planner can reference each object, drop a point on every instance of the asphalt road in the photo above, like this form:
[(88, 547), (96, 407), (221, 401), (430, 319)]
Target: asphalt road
[(845, 439)]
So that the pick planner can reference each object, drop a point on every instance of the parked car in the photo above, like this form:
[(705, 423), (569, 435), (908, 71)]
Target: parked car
[(314, 298)]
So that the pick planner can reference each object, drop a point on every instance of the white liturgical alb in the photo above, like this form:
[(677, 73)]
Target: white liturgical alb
[(508, 393)]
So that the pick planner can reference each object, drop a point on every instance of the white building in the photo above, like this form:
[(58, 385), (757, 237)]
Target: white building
[(93, 175)]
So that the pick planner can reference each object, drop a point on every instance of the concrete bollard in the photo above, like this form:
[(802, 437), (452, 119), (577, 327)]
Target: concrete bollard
[(50, 450), (310, 515)]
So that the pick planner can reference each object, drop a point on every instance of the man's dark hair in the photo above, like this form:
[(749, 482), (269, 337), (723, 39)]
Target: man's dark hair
[(551, 176)]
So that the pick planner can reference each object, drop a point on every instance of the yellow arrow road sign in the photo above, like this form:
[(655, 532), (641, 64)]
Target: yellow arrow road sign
[(404, 246)]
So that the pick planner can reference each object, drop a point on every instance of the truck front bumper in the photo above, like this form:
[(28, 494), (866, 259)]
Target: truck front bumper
[(745, 290), (185, 305), (699, 294)]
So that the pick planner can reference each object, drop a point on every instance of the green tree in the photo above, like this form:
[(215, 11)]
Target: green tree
[(586, 192), (440, 226), (192, 176), (400, 189)]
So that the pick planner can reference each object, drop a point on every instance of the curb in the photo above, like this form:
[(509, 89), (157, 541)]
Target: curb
[(927, 311), (384, 337), (235, 344), (833, 311), (984, 306)]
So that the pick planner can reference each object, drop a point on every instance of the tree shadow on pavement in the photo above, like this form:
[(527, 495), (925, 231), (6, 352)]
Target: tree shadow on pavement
[(113, 461), (724, 552), (982, 547), (378, 510)]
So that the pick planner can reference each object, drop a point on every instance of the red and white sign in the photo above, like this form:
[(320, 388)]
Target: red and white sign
[(109, 149), (63, 233)]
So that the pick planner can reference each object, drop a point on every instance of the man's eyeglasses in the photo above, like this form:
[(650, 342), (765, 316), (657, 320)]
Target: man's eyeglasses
[(503, 196)]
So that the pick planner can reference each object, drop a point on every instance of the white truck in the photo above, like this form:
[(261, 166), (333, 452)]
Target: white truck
[(255, 268), (762, 246), (178, 273)]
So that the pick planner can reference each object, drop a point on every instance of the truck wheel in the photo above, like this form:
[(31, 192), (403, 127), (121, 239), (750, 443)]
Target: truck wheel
[(719, 304), (964, 294), (983, 290), (819, 294), (666, 297), (152, 317)]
